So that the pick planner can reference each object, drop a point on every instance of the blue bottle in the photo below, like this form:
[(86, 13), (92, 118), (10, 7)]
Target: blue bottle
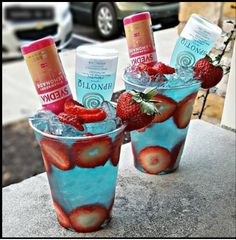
[(195, 41), (95, 74)]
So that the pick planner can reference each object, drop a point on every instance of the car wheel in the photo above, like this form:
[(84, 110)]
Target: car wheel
[(105, 20)]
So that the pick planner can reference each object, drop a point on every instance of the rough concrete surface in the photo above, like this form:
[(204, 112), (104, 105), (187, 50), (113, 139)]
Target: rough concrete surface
[(198, 200)]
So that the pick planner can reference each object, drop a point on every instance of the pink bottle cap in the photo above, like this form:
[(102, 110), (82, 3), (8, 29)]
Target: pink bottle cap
[(36, 45), (136, 17)]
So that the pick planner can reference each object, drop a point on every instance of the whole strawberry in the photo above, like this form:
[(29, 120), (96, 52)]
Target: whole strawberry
[(209, 74), (137, 109)]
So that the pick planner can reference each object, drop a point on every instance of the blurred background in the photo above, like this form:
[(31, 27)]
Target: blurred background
[(75, 23)]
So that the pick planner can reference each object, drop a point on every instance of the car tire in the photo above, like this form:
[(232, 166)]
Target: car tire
[(106, 20)]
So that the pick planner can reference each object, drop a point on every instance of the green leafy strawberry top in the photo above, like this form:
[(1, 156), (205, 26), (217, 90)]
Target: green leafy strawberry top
[(147, 105)]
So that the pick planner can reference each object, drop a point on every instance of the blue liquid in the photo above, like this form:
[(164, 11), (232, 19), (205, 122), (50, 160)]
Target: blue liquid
[(165, 134), (92, 91), (83, 186), (187, 52)]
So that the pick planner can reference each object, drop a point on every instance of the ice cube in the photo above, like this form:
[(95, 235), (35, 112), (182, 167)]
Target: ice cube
[(118, 122), (44, 114), (109, 109), (56, 127), (145, 79), (41, 119), (183, 73), (41, 124), (70, 131), (104, 126)]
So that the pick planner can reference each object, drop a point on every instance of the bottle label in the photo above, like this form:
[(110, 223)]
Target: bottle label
[(140, 42), (55, 95), (146, 58), (49, 78), (95, 80)]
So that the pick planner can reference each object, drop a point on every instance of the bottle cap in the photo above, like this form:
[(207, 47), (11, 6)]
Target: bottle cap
[(96, 51), (136, 17), (197, 23), (36, 45)]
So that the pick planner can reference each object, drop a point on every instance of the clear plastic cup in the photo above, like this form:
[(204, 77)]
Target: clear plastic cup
[(158, 147), (82, 173)]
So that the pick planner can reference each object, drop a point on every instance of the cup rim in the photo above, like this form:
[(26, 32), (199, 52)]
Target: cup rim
[(49, 135), (161, 88)]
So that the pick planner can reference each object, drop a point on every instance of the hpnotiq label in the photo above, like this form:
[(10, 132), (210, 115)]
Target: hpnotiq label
[(139, 38), (195, 41), (95, 79), (48, 74)]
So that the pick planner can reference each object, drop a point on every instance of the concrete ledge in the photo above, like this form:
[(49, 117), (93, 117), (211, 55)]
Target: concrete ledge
[(198, 200)]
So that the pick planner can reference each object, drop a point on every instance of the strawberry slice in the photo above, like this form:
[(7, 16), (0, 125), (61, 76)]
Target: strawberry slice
[(110, 207), (143, 66), (89, 134), (93, 117), (166, 108), (162, 68), (91, 153), (73, 120), (184, 110), (56, 153), (115, 156), (175, 152), (46, 163), (144, 128), (134, 152), (159, 68), (154, 159), (86, 115), (62, 217), (88, 218)]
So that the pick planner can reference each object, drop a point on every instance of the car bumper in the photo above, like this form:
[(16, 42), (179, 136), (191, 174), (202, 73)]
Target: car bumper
[(11, 43)]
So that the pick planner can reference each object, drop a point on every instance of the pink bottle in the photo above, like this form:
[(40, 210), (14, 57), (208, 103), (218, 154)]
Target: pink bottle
[(139, 38), (47, 73)]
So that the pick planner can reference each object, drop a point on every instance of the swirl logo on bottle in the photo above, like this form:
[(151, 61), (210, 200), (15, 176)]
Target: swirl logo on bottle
[(185, 59), (92, 100), (95, 74)]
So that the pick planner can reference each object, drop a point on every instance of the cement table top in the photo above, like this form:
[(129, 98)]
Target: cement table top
[(198, 200)]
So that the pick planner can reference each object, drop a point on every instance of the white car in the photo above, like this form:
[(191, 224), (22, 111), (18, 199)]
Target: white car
[(23, 22)]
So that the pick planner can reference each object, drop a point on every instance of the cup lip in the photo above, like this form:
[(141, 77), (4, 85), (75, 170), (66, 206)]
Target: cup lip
[(161, 88), (48, 135)]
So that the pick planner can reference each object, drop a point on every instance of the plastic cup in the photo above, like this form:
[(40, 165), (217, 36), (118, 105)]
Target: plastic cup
[(82, 173), (158, 147)]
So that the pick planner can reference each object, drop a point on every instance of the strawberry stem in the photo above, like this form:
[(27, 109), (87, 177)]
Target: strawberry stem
[(204, 103), (144, 98)]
